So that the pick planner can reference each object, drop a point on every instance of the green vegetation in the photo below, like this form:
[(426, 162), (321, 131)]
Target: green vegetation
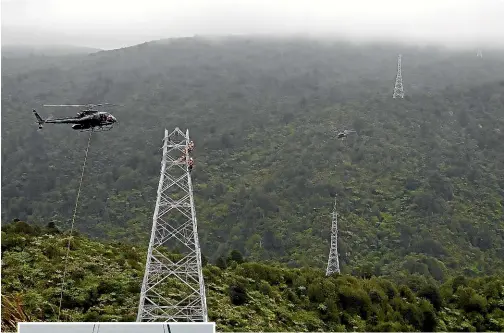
[(420, 186), (104, 284)]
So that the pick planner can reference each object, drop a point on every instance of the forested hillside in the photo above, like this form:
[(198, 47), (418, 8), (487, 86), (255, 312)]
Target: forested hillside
[(104, 284), (420, 186)]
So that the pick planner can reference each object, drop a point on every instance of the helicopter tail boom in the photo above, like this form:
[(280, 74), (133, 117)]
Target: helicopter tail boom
[(40, 121)]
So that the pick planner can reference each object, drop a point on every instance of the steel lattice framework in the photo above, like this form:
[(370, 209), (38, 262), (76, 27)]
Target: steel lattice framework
[(173, 288), (333, 262), (398, 88)]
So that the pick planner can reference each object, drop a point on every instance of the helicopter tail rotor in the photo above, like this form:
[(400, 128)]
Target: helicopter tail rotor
[(40, 121)]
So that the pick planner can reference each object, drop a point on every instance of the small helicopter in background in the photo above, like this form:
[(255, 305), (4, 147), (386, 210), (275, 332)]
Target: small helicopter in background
[(344, 134), (340, 133), (88, 119)]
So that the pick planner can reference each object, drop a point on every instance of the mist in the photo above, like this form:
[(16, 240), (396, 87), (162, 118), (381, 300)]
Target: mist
[(113, 24)]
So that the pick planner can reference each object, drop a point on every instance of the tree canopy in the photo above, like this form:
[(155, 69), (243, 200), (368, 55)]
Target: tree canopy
[(103, 284), (420, 186)]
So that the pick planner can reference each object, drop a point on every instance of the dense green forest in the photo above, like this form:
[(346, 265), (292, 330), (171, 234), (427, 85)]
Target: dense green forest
[(420, 186), (104, 282)]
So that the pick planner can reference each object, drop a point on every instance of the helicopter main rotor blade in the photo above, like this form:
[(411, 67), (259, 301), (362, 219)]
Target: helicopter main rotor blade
[(74, 105), (109, 104), (83, 105)]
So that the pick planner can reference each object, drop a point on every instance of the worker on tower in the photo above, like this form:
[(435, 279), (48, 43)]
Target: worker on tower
[(190, 163), (191, 146)]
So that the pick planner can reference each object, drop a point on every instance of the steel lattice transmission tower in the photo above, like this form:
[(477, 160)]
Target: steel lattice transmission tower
[(333, 262), (398, 88), (173, 288)]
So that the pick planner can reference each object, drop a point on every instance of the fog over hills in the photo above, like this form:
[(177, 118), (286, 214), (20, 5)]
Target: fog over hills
[(21, 51), (115, 24)]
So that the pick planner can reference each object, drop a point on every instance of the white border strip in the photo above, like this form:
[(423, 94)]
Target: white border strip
[(21, 325)]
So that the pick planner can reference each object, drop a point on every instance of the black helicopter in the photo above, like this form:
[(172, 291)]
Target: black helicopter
[(88, 119)]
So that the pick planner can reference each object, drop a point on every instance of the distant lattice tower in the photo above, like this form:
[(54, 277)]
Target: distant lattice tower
[(398, 88), (479, 54), (333, 262), (173, 288)]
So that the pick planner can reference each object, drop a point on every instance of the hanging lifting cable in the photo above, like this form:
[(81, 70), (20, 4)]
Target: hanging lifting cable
[(72, 227)]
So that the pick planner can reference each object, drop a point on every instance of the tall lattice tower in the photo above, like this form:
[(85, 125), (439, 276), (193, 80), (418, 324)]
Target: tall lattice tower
[(479, 54), (398, 88), (333, 262), (173, 288)]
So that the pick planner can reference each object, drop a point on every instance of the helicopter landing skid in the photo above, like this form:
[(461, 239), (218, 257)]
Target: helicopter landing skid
[(98, 129)]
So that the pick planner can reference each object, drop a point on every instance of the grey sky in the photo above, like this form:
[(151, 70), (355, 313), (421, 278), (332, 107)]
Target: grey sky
[(117, 23), (115, 328)]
